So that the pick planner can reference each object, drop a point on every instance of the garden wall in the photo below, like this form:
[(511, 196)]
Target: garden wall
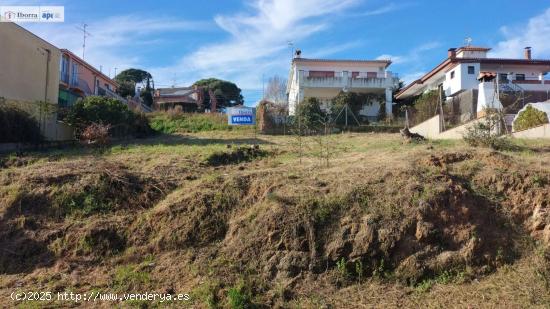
[(533, 133)]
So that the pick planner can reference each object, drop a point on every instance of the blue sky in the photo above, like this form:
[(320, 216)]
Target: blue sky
[(246, 41)]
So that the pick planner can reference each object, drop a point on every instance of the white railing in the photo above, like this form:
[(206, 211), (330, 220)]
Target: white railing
[(111, 94), (341, 82)]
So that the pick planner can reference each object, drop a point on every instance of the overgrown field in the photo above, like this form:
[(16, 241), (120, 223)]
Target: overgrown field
[(358, 220), (191, 123)]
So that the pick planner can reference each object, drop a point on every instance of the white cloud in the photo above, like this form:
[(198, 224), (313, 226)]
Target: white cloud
[(325, 51), (535, 34), (258, 41), (411, 77), (394, 59), (414, 55), (390, 7), (114, 40), (414, 59)]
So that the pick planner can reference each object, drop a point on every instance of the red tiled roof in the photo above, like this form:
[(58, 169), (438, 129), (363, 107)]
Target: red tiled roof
[(89, 66), (486, 75), (472, 48), (449, 62), (174, 99)]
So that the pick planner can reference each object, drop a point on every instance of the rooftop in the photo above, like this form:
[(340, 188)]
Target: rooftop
[(452, 61), (386, 63), (86, 64)]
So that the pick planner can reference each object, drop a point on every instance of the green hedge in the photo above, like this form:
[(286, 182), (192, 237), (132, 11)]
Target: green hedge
[(95, 109), (190, 122), (530, 118), (17, 126)]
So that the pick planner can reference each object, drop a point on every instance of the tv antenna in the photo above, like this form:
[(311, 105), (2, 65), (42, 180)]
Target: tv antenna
[(468, 41), (85, 34), (291, 46)]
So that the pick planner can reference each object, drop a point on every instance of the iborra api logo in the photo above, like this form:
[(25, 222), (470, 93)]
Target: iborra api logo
[(50, 15)]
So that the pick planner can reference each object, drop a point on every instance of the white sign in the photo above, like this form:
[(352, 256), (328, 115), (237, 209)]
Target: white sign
[(32, 14), (241, 116)]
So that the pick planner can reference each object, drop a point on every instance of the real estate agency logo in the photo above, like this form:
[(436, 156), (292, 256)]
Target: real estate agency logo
[(9, 15), (20, 16), (32, 13)]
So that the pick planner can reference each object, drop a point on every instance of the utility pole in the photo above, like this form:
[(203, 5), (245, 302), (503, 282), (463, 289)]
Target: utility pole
[(85, 34), (115, 73)]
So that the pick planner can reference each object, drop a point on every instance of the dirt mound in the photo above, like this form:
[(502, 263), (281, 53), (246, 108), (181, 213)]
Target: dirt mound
[(79, 188), (234, 156), (438, 228), (195, 219), (447, 158), (6, 162), (43, 207)]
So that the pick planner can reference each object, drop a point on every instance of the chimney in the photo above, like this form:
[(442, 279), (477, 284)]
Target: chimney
[(451, 53), (297, 53), (527, 53)]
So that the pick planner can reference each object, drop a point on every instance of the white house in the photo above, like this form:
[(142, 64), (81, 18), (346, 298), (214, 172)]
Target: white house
[(469, 68), (325, 78)]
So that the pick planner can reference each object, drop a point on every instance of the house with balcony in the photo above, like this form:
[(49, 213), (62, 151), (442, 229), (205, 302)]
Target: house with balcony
[(468, 72), (79, 79), (324, 79)]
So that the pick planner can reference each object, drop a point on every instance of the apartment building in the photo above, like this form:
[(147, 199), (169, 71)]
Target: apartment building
[(326, 78)]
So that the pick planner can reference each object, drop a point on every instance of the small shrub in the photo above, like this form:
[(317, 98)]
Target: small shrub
[(130, 278), (240, 296), (530, 118), (359, 270), (240, 154), (486, 133), (341, 266)]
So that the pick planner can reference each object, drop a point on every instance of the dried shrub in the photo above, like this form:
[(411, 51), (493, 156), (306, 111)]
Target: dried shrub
[(96, 134), (240, 154)]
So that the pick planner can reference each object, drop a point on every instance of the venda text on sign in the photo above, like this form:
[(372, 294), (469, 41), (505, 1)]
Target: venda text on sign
[(241, 116)]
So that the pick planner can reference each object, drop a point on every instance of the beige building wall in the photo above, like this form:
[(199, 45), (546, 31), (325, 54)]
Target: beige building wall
[(29, 73)]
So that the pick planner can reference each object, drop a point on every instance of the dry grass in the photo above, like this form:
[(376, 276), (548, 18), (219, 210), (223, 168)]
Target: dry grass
[(272, 226)]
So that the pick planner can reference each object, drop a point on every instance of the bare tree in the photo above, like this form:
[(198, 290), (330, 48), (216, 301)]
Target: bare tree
[(276, 90)]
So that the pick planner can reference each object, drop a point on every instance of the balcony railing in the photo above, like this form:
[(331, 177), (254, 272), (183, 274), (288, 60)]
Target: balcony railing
[(111, 94), (342, 82)]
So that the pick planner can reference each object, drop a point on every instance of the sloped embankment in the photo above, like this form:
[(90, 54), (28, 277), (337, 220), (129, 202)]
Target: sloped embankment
[(447, 213), (69, 210)]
